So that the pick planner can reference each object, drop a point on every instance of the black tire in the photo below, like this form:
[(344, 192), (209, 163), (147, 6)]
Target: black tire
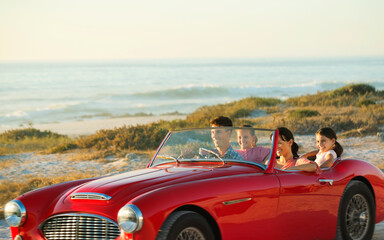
[(185, 225), (356, 219)]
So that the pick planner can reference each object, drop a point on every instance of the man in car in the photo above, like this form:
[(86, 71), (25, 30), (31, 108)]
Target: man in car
[(221, 138)]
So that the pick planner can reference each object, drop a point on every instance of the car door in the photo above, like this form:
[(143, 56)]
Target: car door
[(308, 205), (246, 206)]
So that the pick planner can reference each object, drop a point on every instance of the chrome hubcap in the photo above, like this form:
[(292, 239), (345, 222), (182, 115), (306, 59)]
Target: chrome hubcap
[(357, 217), (191, 233), (363, 217)]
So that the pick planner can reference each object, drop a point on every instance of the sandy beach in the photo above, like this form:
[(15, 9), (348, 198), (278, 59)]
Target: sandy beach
[(370, 148)]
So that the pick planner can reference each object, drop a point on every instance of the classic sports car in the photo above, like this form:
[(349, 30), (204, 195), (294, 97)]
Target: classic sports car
[(189, 191)]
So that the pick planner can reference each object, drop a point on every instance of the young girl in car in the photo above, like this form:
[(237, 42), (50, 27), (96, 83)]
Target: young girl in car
[(328, 148)]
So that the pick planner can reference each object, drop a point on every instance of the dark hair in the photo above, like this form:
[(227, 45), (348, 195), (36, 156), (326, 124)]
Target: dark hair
[(250, 130), (222, 121), (329, 133), (287, 135)]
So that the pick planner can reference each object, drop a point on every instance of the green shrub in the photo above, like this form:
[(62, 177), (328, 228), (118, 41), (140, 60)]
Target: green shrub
[(365, 102), (19, 134), (354, 90), (241, 113), (63, 148), (303, 113), (141, 137)]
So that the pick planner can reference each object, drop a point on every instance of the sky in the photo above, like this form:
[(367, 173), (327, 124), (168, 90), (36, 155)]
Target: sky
[(45, 30)]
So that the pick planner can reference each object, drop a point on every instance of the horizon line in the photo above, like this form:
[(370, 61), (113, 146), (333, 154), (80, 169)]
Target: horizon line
[(187, 59)]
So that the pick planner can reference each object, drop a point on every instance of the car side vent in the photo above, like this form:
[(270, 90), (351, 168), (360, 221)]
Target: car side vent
[(90, 196)]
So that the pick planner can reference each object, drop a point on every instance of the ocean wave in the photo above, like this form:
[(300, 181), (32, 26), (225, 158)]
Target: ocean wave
[(209, 92), (185, 92), (18, 113), (57, 106)]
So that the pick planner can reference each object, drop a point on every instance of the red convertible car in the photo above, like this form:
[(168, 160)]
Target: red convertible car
[(188, 191)]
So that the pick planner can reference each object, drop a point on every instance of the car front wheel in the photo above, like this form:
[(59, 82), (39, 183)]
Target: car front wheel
[(184, 225), (356, 220)]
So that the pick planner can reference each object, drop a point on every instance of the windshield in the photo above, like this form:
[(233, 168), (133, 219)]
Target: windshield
[(216, 145)]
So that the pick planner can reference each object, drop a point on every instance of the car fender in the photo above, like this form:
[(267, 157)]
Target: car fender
[(352, 169), (33, 201)]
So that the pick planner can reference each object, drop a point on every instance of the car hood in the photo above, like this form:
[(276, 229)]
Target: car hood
[(131, 184), (138, 181)]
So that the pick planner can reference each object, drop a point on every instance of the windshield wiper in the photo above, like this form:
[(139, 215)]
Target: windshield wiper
[(214, 153), (170, 157)]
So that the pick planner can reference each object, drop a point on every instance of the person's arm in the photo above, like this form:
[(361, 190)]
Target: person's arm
[(308, 167), (310, 154)]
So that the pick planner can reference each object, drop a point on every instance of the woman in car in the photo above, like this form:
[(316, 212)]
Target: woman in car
[(287, 152)]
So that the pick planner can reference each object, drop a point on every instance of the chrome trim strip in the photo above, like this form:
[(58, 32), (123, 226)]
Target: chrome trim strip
[(90, 196), (330, 181), (236, 201), (158, 149)]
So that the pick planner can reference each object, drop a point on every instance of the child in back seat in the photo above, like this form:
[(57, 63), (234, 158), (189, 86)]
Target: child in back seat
[(328, 148)]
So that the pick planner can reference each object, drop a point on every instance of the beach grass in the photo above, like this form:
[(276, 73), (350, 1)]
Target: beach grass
[(117, 140), (30, 140)]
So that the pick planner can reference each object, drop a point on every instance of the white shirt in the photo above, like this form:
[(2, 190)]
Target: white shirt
[(321, 157)]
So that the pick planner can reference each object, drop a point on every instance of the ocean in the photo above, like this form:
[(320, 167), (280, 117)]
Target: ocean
[(48, 92)]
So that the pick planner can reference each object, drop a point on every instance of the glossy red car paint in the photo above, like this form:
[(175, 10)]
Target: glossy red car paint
[(239, 200)]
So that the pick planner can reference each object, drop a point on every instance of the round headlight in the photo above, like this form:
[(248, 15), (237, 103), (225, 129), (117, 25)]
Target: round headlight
[(130, 218), (15, 213)]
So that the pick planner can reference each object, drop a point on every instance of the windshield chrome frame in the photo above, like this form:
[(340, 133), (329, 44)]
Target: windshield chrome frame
[(158, 149)]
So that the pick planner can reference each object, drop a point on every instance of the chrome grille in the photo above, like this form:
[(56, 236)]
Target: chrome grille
[(79, 226)]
